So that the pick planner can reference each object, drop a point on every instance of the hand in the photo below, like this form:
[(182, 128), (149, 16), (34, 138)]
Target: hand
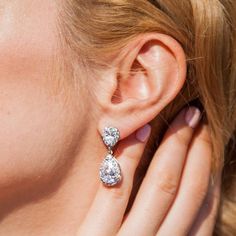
[(176, 196)]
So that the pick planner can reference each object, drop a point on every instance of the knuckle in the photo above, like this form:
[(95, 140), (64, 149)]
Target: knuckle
[(182, 138), (167, 183), (200, 195), (205, 140), (201, 190), (204, 135), (213, 217), (119, 193)]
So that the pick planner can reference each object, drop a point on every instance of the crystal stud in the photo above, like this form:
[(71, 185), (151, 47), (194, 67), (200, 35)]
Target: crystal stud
[(110, 136)]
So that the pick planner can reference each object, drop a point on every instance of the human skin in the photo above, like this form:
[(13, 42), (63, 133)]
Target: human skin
[(40, 133), (49, 141)]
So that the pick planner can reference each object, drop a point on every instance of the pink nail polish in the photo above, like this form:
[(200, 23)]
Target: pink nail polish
[(192, 117), (143, 133)]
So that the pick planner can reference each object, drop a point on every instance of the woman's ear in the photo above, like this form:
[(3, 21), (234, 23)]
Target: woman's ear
[(148, 74)]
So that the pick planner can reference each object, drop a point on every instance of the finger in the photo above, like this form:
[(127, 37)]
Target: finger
[(108, 207), (205, 222), (162, 179), (193, 187)]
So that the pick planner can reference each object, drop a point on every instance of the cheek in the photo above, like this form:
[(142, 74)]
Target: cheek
[(38, 131), (28, 38)]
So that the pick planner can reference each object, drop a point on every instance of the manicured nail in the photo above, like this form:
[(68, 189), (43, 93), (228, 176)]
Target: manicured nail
[(192, 117), (143, 133)]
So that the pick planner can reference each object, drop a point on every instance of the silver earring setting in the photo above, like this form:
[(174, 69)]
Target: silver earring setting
[(110, 171)]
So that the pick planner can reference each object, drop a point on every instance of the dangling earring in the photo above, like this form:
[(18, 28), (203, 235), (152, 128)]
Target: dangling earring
[(110, 172)]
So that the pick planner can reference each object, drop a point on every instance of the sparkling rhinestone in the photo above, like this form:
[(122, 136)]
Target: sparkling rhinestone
[(110, 136), (110, 172)]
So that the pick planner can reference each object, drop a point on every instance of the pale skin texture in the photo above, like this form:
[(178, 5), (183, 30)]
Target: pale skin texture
[(51, 149)]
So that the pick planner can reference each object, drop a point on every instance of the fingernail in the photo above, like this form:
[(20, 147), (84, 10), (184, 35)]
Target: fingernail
[(192, 117), (143, 133)]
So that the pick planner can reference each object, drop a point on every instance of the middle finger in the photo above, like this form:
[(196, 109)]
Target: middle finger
[(161, 182)]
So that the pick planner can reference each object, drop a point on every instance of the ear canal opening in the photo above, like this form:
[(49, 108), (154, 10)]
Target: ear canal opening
[(137, 67)]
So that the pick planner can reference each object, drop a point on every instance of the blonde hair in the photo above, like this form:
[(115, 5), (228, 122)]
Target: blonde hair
[(205, 29)]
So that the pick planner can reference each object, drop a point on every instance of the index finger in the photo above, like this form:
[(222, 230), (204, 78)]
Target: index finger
[(108, 207)]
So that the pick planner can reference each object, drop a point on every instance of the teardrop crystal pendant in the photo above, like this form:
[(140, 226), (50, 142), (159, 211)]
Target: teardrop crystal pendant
[(110, 172)]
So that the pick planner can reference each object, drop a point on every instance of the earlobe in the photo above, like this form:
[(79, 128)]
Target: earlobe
[(150, 74)]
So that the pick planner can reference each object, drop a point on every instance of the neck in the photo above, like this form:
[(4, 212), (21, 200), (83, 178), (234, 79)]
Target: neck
[(58, 206)]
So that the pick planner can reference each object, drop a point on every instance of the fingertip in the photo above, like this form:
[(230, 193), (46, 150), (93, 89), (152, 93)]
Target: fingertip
[(192, 116), (143, 133)]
